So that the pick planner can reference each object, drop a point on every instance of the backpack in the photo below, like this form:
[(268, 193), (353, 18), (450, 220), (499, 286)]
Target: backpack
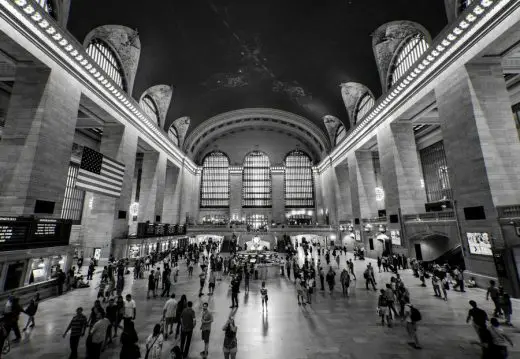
[(415, 315), (365, 274)]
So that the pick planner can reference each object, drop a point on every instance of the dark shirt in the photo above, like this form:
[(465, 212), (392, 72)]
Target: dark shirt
[(77, 325), (151, 282), (479, 316), (111, 312), (235, 286), (187, 318)]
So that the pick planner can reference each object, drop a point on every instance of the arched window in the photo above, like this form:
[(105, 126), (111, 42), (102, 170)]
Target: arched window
[(107, 60), (173, 135), (299, 186), (341, 133), (150, 109), (364, 105), (256, 181), (463, 4), (410, 52), (47, 5), (214, 189)]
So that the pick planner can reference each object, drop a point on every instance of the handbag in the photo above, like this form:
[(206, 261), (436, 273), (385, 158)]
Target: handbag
[(151, 346)]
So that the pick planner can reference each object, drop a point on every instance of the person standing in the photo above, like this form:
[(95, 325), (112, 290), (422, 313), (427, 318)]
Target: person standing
[(337, 260), (202, 278), (246, 279), (188, 322), (351, 268), (154, 343), (129, 339), (181, 305), (479, 318), (111, 311), (151, 285), (299, 291), (211, 283), (345, 281), (322, 278), (166, 284), (205, 327), (436, 285), (379, 263), (77, 327), (169, 311), (230, 339), (263, 293)]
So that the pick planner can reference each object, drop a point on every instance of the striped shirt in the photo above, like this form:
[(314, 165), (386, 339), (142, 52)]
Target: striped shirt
[(78, 325)]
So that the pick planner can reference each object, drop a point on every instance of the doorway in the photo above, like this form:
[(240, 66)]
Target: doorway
[(418, 251)]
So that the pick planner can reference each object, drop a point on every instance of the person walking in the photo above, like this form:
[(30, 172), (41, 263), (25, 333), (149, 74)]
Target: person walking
[(322, 278), (130, 308), (331, 279), (499, 340), (31, 311), (504, 300), (167, 283), (169, 311), (183, 304), (337, 260), (154, 344), (111, 315), (97, 337), (345, 281), (188, 322), (263, 293), (151, 285), (369, 279), (202, 279), (205, 327), (129, 339), (351, 268), (436, 285), (411, 317), (211, 283), (382, 307), (235, 288), (379, 263), (479, 318), (492, 292), (77, 327), (230, 339)]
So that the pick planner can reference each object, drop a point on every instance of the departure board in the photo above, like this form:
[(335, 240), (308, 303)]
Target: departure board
[(13, 231)]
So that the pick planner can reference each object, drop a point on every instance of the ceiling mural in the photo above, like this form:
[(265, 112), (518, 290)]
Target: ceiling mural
[(224, 55)]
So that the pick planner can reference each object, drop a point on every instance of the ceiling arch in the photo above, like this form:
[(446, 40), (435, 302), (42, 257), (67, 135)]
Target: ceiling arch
[(264, 119)]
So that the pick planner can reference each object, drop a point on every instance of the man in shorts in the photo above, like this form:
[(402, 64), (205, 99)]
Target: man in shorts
[(205, 327), (169, 310)]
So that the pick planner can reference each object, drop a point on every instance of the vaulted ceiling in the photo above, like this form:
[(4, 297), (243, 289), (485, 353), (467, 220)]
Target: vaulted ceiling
[(224, 55)]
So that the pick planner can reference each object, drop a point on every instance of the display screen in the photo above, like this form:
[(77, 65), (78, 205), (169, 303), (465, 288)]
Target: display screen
[(479, 243), (396, 237)]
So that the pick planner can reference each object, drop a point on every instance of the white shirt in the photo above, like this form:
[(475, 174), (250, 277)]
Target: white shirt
[(129, 308), (170, 307)]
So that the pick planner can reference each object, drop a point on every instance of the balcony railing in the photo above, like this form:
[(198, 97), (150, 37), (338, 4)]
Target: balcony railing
[(382, 219), (18, 233), (146, 230), (430, 217), (512, 211)]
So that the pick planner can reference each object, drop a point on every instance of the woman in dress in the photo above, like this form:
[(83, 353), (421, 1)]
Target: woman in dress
[(154, 343), (230, 339)]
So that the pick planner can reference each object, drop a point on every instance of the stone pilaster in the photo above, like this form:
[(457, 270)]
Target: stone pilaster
[(482, 147), (343, 196), (37, 140), (362, 184), (170, 211), (235, 193), (318, 197)]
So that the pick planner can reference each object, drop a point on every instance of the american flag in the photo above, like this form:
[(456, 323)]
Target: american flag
[(100, 174)]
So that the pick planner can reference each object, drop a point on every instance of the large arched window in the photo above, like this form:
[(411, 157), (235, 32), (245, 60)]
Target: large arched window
[(299, 187), (103, 55), (341, 133), (150, 109), (256, 181), (173, 135), (364, 105), (409, 53), (48, 6), (214, 189)]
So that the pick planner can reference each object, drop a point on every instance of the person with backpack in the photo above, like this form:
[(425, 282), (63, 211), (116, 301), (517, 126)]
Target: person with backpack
[(412, 316), (383, 310)]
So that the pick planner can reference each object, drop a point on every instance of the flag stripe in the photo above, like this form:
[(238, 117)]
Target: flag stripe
[(110, 175), (116, 164), (96, 189), (93, 180), (101, 178), (112, 167)]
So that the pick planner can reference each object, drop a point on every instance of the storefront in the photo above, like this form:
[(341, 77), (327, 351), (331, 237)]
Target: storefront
[(134, 251)]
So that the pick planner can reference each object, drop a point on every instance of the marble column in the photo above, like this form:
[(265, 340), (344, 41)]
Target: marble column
[(362, 184), (37, 140), (235, 194), (278, 195), (482, 147), (343, 195), (170, 213)]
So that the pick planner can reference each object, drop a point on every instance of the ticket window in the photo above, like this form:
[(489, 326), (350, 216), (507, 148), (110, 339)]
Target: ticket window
[(38, 270), (57, 262)]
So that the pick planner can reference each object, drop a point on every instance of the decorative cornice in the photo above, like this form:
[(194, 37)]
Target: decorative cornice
[(478, 18), (36, 25)]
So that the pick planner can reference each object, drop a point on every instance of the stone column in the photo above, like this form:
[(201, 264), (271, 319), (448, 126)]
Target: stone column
[(195, 197), (188, 186), (153, 179), (343, 196), (278, 195), (329, 197), (482, 147), (318, 197), (362, 184), (400, 169), (37, 140), (101, 219), (235, 193), (169, 210)]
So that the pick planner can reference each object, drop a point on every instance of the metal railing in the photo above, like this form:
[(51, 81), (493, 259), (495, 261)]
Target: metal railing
[(430, 217), (382, 219)]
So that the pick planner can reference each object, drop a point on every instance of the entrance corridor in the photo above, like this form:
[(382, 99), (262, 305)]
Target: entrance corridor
[(333, 327)]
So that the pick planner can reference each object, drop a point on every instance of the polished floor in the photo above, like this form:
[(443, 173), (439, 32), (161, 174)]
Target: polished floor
[(332, 327)]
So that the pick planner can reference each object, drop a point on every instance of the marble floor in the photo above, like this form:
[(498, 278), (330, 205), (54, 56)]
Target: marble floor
[(332, 327)]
